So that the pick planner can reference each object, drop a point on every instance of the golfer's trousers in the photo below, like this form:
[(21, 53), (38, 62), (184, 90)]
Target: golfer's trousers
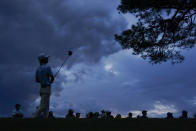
[(44, 102)]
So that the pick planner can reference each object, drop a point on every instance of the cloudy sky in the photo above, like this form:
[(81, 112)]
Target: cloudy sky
[(99, 75)]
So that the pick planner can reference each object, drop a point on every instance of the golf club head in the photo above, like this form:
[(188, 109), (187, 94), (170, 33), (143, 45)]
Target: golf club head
[(69, 53)]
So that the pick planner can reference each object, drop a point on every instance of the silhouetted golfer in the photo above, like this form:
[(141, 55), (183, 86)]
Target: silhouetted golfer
[(45, 77), (17, 112)]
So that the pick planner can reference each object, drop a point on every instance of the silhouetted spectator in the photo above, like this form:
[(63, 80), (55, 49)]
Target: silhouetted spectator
[(138, 116), (184, 114), (103, 114), (87, 115), (118, 116), (50, 114), (194, 115), (77, 115), (70, 114), (169, 115), (17, 112), (129, 115), (90, 115), (36, 109), (108, 115), (96, 115), (144, 114)]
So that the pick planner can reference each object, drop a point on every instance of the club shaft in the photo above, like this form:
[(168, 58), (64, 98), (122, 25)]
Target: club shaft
[(61, 66)]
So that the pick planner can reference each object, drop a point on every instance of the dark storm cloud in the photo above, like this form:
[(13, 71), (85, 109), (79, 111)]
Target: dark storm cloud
[(119, 82), (123, 83), (34, 26), (56, 26), (169, 84)]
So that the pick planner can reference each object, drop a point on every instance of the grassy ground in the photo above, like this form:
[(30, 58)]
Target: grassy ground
[(97, 125)]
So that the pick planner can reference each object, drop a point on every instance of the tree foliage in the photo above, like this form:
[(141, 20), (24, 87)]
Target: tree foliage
[(163, 30)]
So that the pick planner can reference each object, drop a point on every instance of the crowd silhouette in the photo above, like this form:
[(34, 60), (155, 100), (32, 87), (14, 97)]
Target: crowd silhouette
[(17, 113)]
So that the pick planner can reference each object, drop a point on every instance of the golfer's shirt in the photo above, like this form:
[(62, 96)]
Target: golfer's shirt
[(44, 74)]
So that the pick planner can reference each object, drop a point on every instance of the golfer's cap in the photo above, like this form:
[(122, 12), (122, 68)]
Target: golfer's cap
[(43, 56)]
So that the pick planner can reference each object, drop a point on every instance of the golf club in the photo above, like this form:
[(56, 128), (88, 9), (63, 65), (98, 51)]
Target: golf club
[(69, 54)]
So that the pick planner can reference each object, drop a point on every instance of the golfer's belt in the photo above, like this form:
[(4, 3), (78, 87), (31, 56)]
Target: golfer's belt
[(43, 86)]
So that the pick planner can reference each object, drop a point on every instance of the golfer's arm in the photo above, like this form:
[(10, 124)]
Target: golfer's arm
[(37, 78), (52, 78)]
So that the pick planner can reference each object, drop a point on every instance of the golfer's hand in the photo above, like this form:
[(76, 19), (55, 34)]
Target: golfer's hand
[(52, 79), (37, 80)]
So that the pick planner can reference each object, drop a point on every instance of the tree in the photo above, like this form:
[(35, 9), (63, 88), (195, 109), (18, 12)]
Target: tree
[(164, 28)]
